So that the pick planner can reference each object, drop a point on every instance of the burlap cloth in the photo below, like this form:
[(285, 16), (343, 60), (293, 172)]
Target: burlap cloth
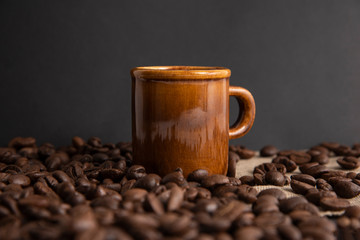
[(246, 167)]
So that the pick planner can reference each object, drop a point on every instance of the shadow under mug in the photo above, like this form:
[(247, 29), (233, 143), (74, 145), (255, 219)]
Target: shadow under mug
[(180, 118)]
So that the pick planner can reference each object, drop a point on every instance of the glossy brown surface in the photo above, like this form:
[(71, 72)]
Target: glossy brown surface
[(184, 122)]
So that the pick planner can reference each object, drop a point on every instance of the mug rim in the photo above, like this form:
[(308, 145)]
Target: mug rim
[(180, 72)]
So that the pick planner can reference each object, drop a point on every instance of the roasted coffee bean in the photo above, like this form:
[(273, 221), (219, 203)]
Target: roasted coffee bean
[(316, 170), (20, 142), (197, 175), (314, 197), (175, 177), (351, 175), (78, 142), (321, 158), (304, 178), (342, 150), (149, 182), (288, 204), (289, 232), (176, 198), (334, 204), (286, 153), (231, 167), (268, 151), (135, 194), (273, 192), (346, 189), (309, 207), (20, 179), (206, 205), (246, 153), (154, 204), (300, 157), (249, 180), (275, 178), (323, 185), (300, 187), (111, 173), (289, 164), (61, 176), (348, 162), (330, 145), (100, 157), (353, 212), (328, 175), (234, 156), (214, 180), (249, 232), (212, 224), (105, 201), (247, 193)]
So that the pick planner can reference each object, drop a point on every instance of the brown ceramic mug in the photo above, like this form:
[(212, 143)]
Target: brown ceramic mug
[(180, 118)]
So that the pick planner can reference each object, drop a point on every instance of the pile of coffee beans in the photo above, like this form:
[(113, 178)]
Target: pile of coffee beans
[(91, 190)]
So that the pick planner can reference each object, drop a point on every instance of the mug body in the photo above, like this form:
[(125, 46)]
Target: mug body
[(180, 122)]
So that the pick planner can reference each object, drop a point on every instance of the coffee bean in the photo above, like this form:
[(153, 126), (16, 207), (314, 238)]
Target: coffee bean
[(289, 232), (342, 150), (334, 204), (148, 182), (268, 151), (78, 142), (316, 233), (197, 175), (212, 224), (300, 157), (275, 178), (289, 164), (348, 162), (232, 210), (175, 177), (249, 232), (111, 173), (346, 189), (307, 207), (246, 153), (304, 178), (330, 145), (352, 212), (231, 167), (234, 156), (321, 158), (300, 187), (20, 142), (288, 204), (35, 200), (135, 194), (351, 175), (100, 157), (314, 170), (176, 198), (247, 193), (105, 201), (213, 180), (249, 180), (20, 179), (314, 197), (330, 174), (273, 192), (154, 204)]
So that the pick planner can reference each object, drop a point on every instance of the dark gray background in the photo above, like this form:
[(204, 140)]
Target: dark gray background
[(64, 65)]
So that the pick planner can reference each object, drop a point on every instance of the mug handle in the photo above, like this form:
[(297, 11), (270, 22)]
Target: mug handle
[(246, 116)]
